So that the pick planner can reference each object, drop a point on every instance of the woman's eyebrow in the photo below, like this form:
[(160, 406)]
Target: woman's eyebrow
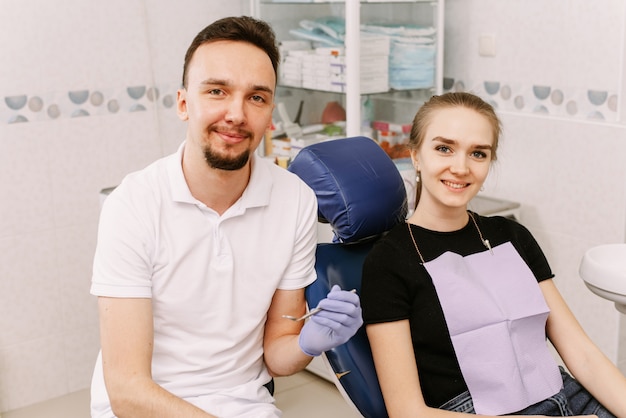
[(444, 140), (449, 141)]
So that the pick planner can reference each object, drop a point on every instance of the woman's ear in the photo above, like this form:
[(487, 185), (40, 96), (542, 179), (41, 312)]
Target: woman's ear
[(415, 159)]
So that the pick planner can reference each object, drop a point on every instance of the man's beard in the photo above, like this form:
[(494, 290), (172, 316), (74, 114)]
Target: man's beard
[(220, 162)]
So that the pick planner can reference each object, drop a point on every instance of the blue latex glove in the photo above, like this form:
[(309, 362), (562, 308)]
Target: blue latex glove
[(339, 319)]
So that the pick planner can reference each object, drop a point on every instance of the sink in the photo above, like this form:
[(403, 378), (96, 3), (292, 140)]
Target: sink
[(603, 269)]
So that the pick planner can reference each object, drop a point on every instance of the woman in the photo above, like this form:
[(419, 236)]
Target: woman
[(458, 306)]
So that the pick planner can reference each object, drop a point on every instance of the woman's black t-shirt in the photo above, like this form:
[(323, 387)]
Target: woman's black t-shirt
[(396, 286)]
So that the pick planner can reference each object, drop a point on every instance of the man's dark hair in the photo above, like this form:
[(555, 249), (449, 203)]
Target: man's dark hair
[(242, 28)]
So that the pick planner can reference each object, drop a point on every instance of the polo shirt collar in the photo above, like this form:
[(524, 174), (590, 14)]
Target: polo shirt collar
[(257, 192)]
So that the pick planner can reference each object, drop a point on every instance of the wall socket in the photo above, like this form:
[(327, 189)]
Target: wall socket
[(487, 45)]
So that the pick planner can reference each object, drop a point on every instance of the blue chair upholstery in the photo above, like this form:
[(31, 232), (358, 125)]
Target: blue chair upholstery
[(362, 195)]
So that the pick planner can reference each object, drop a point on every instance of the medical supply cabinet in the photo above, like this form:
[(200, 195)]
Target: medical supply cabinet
[(382, 61)]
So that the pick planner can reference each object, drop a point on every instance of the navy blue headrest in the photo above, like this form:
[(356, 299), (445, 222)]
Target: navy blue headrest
[(359, 189)]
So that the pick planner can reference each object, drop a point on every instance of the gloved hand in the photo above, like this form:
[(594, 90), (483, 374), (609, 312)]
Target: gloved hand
[(339, 319)]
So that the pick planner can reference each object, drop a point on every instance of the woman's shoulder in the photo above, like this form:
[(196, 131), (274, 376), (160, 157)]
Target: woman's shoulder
[(504, 224), (396, 234), (503, 229), (391, 240)]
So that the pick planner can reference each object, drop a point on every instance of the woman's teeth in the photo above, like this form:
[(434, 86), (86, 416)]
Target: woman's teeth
[(455, 185)]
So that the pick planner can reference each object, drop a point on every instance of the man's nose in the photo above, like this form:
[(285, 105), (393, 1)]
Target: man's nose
[(235, 112)]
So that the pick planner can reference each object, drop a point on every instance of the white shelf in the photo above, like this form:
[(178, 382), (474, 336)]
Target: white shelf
[(284, 15)]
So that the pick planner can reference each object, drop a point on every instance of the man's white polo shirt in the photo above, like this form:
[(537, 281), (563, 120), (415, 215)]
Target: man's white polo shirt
[(211, 278)]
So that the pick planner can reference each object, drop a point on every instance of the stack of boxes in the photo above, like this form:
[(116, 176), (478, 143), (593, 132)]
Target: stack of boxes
[(290, 69), (412, 54), (324, 68)]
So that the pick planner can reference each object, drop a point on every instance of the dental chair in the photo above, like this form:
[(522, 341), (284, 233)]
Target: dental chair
[(361, 195)]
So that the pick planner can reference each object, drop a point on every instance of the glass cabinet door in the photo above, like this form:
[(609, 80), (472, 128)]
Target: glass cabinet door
[(378, 59)]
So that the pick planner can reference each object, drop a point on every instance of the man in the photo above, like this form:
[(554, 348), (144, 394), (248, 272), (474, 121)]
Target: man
[(201, 253)]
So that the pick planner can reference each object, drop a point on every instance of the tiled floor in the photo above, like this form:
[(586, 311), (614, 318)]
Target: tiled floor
[(303, 395)]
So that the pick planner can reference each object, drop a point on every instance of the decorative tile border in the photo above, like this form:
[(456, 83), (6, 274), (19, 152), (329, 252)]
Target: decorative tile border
[(576, 103), (22, 108)]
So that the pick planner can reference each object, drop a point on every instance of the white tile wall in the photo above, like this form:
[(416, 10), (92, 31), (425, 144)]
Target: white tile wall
[(570, 52), (621, 359), (25, 180), (53, 166), (31, 296), (575, 44)]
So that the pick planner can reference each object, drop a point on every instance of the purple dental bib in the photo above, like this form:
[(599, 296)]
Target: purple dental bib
[(496, 316)]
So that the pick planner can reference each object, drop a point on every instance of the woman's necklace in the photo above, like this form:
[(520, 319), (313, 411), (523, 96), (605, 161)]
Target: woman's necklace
[(480, 234), (485, 241)]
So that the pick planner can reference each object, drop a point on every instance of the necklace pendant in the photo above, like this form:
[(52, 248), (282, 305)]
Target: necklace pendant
[(488, 245), (480, 234)]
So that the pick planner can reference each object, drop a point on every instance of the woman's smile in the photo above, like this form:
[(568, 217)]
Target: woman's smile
[(454, 185)]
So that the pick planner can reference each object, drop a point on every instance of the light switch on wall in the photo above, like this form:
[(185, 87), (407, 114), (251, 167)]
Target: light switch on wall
[(487, 45)]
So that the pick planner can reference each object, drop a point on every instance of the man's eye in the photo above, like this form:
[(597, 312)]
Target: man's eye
[(259, 99)]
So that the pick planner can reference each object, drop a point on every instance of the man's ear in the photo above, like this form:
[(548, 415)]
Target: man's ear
[(181, 104), (269, 125)]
